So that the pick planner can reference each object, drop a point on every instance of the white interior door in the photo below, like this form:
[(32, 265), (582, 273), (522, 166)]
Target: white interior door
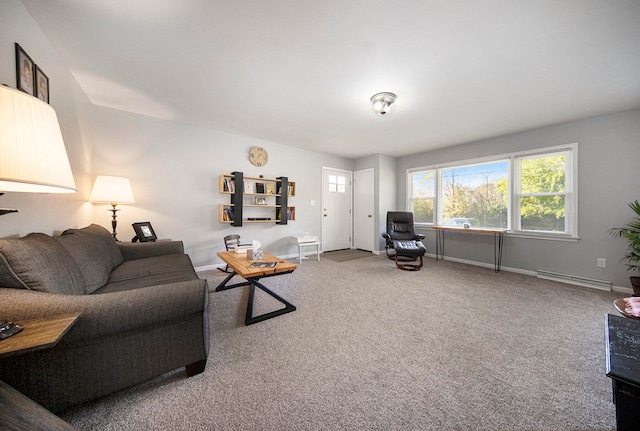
[(336, 209), (363, 209)]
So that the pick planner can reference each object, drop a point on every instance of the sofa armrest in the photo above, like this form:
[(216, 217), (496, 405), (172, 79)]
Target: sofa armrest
[(141, 250), (110, 314)]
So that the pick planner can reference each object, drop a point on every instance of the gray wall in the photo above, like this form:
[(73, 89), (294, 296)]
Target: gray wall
[(385, 189), (174, 170), (608, 179), (43, 212), (173, 167)]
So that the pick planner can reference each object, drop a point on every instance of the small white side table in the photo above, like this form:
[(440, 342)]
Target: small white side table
[(305, 241)]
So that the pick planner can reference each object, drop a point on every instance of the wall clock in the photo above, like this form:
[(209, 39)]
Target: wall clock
[(258, 156)]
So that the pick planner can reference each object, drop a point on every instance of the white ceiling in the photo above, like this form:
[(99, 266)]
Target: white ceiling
[(301, 72)]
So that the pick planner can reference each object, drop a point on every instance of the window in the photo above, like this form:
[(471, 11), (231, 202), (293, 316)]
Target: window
[(532, 193), (543, 197), (337, 183), (475, 195), (423, 196)]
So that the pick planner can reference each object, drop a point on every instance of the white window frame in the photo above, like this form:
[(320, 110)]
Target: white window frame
[(513, 180), (410, 197)]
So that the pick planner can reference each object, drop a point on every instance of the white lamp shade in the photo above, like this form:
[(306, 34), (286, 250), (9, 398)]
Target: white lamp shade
[(33, 157), (116, 190)]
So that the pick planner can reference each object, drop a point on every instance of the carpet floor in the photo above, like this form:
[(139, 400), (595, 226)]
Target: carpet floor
[(371, 347), (345, 255)]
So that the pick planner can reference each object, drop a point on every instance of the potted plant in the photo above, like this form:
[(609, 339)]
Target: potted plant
[(632, 234)]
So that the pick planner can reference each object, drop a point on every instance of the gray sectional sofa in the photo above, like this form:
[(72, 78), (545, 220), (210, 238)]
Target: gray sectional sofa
[(144, 313)]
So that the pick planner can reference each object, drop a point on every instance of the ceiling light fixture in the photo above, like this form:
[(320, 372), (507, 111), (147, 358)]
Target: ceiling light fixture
[(382, 102)]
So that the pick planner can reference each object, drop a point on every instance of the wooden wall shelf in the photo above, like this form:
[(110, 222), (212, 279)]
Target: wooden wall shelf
[(247, 192)]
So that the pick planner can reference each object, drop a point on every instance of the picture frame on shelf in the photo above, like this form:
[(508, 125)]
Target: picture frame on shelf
[(261, 200), (25, 68), (42, 85), (260, 188), (248, 187), (144, 232), (270, 188)]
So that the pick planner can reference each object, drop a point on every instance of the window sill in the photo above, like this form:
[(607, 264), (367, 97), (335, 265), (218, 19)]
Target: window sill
[(551, 237)]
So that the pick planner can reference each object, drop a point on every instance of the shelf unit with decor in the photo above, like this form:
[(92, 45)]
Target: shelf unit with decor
[(256, 200)]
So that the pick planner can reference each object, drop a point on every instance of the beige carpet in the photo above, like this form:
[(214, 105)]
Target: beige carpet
[(345, 255), (370, 347)]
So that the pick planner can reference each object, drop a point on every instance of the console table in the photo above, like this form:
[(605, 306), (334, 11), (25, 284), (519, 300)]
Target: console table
[(623, 367), (498, 237), (241, 265)]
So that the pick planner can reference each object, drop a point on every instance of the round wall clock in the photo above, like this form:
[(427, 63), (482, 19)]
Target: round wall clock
[(258, 156)]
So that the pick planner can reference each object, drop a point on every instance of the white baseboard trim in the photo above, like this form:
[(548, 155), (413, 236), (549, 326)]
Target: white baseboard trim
[(575, 279), (613, 288), (622, 289), (208, 267), (486, 265)]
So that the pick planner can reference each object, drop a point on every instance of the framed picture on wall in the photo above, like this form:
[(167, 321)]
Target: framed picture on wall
[(42, 85), (144, 232), (24, 71)]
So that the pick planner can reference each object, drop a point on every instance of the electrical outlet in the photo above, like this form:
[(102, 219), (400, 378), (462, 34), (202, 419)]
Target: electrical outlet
[(601, 262)]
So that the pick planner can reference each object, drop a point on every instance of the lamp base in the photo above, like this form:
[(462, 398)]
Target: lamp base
[(114, 221)]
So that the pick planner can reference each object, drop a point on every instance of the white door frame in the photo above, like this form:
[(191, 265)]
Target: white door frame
[(349, 175)]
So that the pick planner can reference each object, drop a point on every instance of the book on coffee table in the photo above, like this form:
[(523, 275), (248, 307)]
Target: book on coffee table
[(263, 264)]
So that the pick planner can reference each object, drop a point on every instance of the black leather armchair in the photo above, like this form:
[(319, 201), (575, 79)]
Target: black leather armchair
[(403, 243)]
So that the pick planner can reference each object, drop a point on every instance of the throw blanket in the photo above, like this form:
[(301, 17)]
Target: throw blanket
[(632, 306)]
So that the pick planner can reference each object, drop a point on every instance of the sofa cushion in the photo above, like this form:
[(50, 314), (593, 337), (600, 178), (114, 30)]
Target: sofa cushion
[(96, 253), (39, 262), (150, 271)]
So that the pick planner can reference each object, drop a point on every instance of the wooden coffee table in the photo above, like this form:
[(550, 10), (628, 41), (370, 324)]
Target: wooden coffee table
[(241, 265)]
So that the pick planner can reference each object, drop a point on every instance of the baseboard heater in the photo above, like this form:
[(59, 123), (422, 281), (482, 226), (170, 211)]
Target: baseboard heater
[(574, 279)]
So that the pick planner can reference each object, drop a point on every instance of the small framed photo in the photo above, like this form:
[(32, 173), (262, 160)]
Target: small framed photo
[(42, 85), (260, 188), (144, 232), (24, 71), (248, 187), (261, 201), (271, 189)]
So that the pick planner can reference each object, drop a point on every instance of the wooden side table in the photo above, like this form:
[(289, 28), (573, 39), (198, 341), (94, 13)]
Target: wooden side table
[(18, 412), (37, 334)]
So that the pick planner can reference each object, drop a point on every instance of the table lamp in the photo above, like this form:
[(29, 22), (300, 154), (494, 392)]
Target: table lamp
[(33, 157), (113, 190)]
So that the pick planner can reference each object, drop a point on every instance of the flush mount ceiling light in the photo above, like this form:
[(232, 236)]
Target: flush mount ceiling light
[(382, 102)]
